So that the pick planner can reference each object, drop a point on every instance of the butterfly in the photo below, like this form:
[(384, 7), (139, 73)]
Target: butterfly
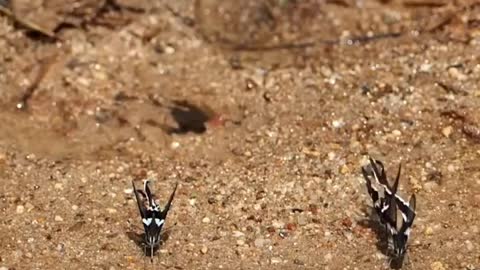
[(153, 218), (388, 205)]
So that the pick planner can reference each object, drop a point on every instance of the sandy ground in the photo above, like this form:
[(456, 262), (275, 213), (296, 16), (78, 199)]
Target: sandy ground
[(262, 111)]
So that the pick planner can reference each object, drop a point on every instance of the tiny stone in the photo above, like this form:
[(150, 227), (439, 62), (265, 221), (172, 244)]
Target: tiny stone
[(328, 257), (447, 131), (429, 186), (112, 210), (58, 218), (238, 234), (175, 145), (469, 245), (240, 242), (259, 242), (397, 132), (204, 250), (58, 186), (275, 260), (278, 224), (429, 231), (247, 154), (437, 266), (206, 220), (455, 73), (20, 209), (338, 123), (74, 207), (451, 168)]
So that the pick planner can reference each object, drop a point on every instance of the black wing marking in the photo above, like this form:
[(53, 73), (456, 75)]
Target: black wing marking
[(169, 203), (390, 213), (141, 207), (408, 212), (372, 191), (384, 204)]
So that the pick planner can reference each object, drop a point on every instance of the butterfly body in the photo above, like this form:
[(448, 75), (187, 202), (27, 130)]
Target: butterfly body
[(153, 218), (388, 205)]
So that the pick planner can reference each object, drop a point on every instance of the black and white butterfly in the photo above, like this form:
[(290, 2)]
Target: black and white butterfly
[(153, 218), (388, 205)]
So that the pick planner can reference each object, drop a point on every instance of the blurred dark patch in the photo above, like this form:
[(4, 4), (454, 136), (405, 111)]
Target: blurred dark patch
[(189, 118), (381, 232), (138, 239)]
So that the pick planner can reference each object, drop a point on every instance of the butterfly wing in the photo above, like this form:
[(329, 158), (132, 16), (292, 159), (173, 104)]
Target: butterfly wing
[(141, 207), (169, 203)]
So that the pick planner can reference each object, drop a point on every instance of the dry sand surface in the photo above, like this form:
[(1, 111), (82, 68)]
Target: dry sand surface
[(263, 112)]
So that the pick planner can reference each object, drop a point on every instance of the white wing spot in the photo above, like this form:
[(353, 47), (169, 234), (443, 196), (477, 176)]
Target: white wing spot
[(159, 222), (147, 221)]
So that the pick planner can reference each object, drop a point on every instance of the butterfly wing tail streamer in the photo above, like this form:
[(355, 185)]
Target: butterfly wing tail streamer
[(146, 187), (371, 190), (141, 208), (170, 200)]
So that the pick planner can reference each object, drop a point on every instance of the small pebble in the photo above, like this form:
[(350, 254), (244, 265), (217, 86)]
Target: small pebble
[(447, 131), (437, 266), (20, 209), (112, 210), (175, 145), (259, 242), (328, 257), (455, 73), (338, 123), (428, 230), (206, 220), (58, 186), (240, 242), (204, 250), (469, 245), (275, 260), (74, 207), (3, 268), (58, 218), (238, 234)]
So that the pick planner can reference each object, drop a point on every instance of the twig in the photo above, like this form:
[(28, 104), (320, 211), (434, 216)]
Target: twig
[(44, 68), (27, 24)]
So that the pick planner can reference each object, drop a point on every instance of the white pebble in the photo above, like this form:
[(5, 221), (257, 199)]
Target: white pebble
[(338, 123), (275, 260), (58, 218), (238, 234), (20, 209), (175, 145), (328, 257), (206, 220)]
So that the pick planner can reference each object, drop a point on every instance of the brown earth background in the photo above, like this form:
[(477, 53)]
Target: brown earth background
[(262, 111)]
